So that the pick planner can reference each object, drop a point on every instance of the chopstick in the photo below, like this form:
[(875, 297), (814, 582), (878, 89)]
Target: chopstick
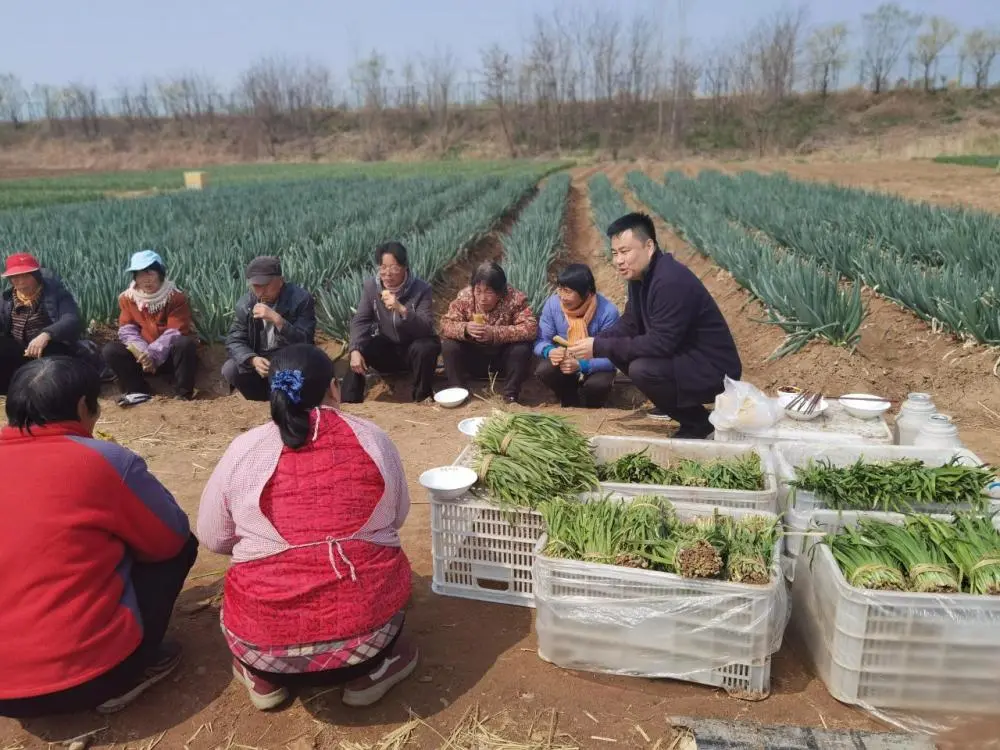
[(805, 402)]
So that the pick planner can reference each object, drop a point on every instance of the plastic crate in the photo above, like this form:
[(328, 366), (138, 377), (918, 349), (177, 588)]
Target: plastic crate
[(788, 456), (896, 650), (605, 618), (609, 448), (835, 426), (481, 551)]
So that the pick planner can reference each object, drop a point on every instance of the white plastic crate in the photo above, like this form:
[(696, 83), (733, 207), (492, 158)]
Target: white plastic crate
[(896, 650), (835, 426), (481, 551), (609, 448), (605, 618), (789, 455)]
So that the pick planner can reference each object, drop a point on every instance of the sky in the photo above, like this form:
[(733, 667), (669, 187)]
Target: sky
[(109, 42)]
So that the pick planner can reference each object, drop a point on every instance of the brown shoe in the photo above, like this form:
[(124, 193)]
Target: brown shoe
[(370, 689)]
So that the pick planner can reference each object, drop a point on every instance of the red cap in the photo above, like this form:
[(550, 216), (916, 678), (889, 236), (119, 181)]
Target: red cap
[(19, 263)]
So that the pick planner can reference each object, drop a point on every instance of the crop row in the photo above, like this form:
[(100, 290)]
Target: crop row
[(323, 230), (938, 262), (536, 240), (606, 205), (801, 297)]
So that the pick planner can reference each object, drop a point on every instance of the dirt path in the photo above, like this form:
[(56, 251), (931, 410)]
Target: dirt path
[(473, 653)]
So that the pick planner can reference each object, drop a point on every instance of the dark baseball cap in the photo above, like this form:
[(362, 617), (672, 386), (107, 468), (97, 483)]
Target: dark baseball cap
[(263, 269)]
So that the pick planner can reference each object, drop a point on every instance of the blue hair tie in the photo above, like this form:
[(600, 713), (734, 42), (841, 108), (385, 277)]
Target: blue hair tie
[(288, 382)]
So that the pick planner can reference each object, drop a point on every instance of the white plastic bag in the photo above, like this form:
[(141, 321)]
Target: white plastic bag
[(743, 407)]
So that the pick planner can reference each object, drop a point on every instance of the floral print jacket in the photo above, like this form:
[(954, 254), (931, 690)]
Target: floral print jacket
[(509, 322)]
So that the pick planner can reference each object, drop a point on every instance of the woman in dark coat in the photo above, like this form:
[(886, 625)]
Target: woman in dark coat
[(38, 317)]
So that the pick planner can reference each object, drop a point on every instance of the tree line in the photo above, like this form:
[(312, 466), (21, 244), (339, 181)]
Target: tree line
[(599, 79)]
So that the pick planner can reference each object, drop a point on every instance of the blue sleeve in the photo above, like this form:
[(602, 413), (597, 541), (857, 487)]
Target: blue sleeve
[(609, 316), (546, 328)]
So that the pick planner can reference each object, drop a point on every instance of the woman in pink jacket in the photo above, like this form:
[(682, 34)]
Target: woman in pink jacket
[(310, 506)]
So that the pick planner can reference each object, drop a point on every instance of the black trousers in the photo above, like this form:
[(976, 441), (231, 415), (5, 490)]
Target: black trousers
[(12, 357), (418, 357), (157, 586), (246, 380), (182, 363), (591, 393), (464, 359), (654, 377)]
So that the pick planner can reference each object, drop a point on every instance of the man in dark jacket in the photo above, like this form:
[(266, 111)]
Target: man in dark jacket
[(672, 341), (393, 329), (273, 314), (38, 317)]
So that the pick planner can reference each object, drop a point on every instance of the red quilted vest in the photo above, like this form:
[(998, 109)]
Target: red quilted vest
[(328, 488)]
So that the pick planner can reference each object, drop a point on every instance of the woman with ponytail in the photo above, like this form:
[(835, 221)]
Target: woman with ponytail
[(310, 506)]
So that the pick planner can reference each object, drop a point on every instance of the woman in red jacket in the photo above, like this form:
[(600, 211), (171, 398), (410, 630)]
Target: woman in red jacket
[(310, 506)]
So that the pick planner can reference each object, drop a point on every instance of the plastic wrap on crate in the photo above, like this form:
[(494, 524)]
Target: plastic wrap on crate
[(908, 658), (609, 448), (620, 620), (787, 456), (834, 426)]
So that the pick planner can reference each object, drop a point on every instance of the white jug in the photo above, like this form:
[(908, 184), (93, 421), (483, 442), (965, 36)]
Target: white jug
[(938, 432), (917, 408)]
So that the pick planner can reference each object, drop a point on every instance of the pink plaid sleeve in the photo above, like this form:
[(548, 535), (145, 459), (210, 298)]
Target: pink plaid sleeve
[(216, 527), (391, 512)]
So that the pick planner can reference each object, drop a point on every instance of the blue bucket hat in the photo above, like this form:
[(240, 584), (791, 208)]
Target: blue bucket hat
[(143, 260)]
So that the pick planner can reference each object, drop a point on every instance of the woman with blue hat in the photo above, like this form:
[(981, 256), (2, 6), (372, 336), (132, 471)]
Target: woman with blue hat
[(155, 333)]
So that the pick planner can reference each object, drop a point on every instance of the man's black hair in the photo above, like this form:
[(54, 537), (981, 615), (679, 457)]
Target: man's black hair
[(640, 224), (157, 268), (49, 389)]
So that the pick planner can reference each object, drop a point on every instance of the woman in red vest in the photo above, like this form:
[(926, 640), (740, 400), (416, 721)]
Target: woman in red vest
[(310, 506)]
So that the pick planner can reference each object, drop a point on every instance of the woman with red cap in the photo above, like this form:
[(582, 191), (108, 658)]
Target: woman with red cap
[(38, 316)]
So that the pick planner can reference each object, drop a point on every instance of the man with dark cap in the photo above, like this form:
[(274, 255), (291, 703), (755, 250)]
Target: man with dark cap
[(273, 314)]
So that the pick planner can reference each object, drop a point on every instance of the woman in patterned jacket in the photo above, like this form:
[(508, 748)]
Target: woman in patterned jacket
[(310, 506), (489, 328)]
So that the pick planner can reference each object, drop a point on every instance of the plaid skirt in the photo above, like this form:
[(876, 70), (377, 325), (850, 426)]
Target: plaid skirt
[(314, 657)]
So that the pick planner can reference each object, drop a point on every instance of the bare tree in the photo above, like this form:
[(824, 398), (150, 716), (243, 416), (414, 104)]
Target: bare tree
[(604, 43), (498, 70), (940, 33), (888, 31), (12, 99), (441, 70), (826, 54), (981, 47)]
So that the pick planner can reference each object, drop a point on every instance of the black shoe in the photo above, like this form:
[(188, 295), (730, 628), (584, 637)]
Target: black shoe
[(694, 431), (510, 399), (166, 661), (658, 414)]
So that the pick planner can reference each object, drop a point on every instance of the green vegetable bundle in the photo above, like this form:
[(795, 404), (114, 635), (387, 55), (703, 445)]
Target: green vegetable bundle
[(894, 485), (524, 459), (925, 555), (646, 533), (740, 473)]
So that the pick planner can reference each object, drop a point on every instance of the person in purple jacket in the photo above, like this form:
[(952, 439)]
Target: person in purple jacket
[(672, 340), (573, 313)]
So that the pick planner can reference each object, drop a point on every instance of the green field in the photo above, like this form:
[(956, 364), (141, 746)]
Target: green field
[(324, 228), (970, 161), (42, 191)]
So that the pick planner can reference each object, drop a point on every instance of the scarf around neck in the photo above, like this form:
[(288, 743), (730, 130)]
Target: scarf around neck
[(578, 320), (151, 302)]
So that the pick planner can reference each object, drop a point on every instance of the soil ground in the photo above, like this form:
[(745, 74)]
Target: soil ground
[(482, 655)]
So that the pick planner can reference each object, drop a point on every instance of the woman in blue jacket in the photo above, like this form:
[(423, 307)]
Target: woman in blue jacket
[(575, 312)]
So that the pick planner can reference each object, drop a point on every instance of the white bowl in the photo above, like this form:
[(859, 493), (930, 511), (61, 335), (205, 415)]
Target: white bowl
[(798, 412), (448, 482), (470, 427), (449, 398), (866, 409), (784, 399)]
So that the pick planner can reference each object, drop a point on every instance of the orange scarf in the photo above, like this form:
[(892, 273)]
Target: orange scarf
[(28, 300), (578, 320)]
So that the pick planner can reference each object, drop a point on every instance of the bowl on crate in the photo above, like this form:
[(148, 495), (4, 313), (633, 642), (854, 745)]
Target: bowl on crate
[(470, 427), (801, 413), (864, 405), (448, 482), (451, 398)]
